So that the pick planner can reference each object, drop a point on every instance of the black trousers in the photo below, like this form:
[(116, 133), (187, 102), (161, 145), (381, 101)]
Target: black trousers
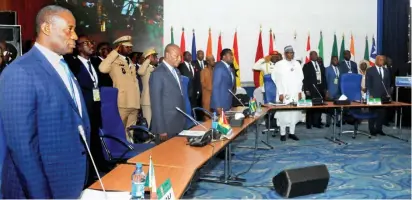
[(375, 124)]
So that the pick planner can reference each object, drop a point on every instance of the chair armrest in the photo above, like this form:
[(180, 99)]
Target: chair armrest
[(102, 135), (202, 109)]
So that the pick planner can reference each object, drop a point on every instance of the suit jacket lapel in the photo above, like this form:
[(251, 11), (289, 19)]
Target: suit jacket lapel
[(172, 77), (55, 78)]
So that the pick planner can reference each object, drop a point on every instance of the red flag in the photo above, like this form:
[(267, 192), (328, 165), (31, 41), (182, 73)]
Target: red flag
[(259, 55), (209, 44), (182, 43), (219, 47), (307, 50), (270, 42)]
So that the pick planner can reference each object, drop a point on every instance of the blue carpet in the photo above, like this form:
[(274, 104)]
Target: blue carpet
[(375, 168)]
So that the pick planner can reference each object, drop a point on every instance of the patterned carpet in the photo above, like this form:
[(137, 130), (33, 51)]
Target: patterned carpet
[(376, 168)]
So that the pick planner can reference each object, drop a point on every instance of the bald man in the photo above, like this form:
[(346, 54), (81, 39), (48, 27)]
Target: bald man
[(43, 115), (166, 94), (206, 79)]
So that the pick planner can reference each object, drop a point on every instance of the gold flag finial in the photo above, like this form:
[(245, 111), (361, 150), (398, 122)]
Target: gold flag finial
[(270, 30), (210, 29), (183, 29), (260, 27), (171, 28)]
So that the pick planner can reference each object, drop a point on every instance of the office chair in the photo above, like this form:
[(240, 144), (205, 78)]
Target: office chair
[(188, 106), (112, 134), (269, 97), (350, 85)]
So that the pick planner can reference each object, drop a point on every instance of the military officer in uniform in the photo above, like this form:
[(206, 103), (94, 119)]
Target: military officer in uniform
[(123, 73)]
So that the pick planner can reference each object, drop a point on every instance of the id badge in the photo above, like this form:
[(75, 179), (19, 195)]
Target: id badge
[(335, 81), (318, 77), (96, 94)]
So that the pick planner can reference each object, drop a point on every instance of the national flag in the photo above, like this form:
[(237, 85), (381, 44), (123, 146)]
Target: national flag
[(223, 126), (307, 49), (182, 43), (151, 178), (352, 47), (252, 105), (259, 55), (373, 53), (335, 46), (342, 49), (219, 46), (194, 57), (172, 41), (271, 37), (236, 59), (209, 44), (320, 46), (366, 54)]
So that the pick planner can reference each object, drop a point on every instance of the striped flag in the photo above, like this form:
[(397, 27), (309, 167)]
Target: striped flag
[(259, 55), (209, 44), (366, 54), (373, 52), (320, 46), (194, 57), (352, 47), (172, 41), (219, 46), (236, 59), (335, 46), (307, 49), (342, 49), (151, 178), (182, 43)]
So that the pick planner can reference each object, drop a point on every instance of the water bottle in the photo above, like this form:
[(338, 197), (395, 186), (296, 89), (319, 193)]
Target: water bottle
[(138, 180), (214, 121), (367, 97)]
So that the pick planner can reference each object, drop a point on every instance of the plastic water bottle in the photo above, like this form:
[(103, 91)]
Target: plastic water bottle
[(214, 121), (138, 180), (367, 97)]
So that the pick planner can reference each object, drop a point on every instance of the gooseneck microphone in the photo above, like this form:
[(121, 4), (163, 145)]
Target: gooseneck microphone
[(191, 118), (83, 136), (387, 93), (236, 97), (246, 111), (317, 91)]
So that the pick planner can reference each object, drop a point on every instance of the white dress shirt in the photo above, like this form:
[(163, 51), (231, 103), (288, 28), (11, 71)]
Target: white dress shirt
[(54, 60), (93, 74), (201, 64), (175, 75), (190, 67)]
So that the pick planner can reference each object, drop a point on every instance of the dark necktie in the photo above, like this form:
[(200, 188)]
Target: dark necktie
[(90, 68)]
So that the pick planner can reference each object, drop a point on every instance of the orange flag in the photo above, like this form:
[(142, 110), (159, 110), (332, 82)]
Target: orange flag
[(219, 46), (352, 47), (209, 44), (182, 43)]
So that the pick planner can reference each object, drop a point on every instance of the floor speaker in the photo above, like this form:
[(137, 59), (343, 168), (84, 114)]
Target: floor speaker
[(8, 18), (301, 181)]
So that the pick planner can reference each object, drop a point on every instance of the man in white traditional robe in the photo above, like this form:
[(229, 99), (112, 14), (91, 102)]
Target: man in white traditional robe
[(288, 77)]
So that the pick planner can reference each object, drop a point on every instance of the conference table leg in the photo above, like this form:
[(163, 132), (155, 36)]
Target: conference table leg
[(267, 134), (257, 138), (400, 128), (333, 138)]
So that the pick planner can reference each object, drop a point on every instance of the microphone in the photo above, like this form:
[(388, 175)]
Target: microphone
[(246, 111), (83, 136), (387, 93), (192, 119), (317, 91)]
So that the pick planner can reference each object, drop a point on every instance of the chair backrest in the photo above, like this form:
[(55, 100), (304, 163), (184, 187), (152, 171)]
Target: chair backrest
[(258, 95), (240, 90), (350, 86), (188, 106), (112, 124), (3, 149), (270, 89)]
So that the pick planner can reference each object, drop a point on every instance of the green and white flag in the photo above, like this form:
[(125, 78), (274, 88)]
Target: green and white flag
[(151, 179)]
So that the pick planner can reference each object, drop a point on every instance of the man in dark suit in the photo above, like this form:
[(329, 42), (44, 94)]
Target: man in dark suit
[(44, 116), (166, 94), (199, 65), (332, 82), (103, 49), (314, 82), (223, 81), (86, 75), (347, 66), (189, 70), (377, 83)]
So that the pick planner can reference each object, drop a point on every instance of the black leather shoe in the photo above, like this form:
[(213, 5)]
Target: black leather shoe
[(293, 137), (318, 126), (282, 138)]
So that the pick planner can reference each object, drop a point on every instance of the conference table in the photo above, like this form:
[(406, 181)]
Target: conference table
[(177, 160)]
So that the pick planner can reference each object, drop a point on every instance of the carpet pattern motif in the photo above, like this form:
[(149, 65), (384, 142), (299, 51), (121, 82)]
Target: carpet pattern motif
[(375, 168)]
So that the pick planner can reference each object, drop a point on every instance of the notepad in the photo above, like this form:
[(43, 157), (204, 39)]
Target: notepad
[(190, 133), (98, 194)]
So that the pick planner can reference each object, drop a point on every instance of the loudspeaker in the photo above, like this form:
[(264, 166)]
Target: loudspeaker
[(8, 18), (301, 181), (11, 35)]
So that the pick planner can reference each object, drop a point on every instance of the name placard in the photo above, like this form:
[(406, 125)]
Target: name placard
[(374, 101), (403, 81), (165, 191), (305, 103)]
